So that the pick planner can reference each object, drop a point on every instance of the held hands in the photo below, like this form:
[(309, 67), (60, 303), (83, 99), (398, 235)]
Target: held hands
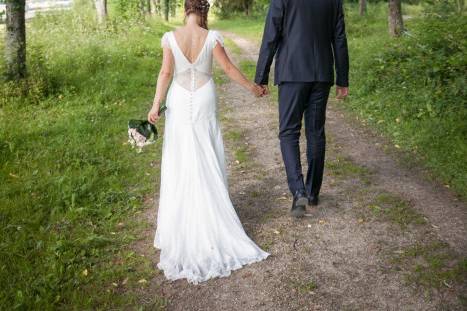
[(259, 90)]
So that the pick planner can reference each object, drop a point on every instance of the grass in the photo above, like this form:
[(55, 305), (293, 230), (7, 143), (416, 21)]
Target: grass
[(344, 167), (433, 265), (251, 28), (232, 47), (396, 209), (240, 151), (305, 287), (241, 154), (71, 185), (234, 135), (248, 68)]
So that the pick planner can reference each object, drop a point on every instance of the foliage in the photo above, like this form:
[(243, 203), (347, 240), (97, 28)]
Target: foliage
[(444, 7), (71, 186), (413, 89), (230, 8), (127, 9)]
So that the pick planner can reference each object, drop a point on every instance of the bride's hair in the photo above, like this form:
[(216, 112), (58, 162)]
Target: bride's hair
[(200, 8)]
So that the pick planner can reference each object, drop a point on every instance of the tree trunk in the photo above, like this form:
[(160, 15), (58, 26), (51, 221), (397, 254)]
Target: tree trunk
[(101, 9), (396, 25), (362, 7), (153, 7), (246, 6), (173, 8), (166, 9), (149, 7), (15, 40), (157, 7), (460, 6)]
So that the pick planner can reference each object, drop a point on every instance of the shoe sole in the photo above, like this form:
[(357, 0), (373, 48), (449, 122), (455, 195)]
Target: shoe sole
[(298, 213)]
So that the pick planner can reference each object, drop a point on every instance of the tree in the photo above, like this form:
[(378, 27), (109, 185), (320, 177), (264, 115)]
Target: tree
[(396, 24), (15, 40), (173, 8), (166, 9), (229, 7), (156, 7), (247, 4), (362, 7), (101, 9)]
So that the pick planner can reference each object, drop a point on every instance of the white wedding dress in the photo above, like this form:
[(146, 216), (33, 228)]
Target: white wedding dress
[(198, 232)]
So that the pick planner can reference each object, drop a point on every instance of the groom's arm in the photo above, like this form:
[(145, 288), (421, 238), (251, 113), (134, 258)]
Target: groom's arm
[(339, 46), (271, 38)]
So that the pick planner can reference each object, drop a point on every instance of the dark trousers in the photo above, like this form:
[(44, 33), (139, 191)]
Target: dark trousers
[(298, 100)]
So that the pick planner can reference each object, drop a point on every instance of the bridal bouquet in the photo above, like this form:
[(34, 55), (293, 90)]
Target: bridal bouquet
[(142, 133)]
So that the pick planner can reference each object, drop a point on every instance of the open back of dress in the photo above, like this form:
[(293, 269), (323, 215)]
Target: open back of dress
[(193, 75)]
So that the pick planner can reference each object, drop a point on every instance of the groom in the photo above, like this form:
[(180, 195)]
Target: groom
[(308, 38)]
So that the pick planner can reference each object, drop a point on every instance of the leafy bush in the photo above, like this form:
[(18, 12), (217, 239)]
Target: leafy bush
[(429, 64), (413, 88)]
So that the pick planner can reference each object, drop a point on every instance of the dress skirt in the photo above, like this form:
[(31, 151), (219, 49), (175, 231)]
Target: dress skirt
[(198, 231)]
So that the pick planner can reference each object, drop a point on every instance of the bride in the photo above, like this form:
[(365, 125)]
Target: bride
[(198, 232)]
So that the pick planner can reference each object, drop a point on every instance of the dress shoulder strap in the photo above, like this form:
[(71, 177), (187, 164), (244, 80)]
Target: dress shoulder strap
[(165, 40), (216, 38)]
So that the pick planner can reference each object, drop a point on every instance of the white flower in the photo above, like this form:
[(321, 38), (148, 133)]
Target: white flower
[(138, 140)]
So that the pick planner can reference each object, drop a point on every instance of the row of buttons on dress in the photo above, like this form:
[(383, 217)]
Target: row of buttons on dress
[(190, 106)]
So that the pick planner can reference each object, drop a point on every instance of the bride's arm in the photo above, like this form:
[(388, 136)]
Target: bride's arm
[(163, 81), (232, 71)]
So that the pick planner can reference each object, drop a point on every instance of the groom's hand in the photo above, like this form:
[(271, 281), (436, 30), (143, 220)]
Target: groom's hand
[(265, 89), (342, 92)]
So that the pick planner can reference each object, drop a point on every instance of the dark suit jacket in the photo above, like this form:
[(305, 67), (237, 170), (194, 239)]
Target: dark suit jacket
[(307, 37)]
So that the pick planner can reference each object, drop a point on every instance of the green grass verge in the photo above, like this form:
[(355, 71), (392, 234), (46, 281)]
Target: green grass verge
[(251, 28), (411, 89), (71, 185), (432, 265)]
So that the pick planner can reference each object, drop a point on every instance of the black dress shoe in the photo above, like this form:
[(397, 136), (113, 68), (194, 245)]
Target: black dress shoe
[(313, 200), (299, 204)]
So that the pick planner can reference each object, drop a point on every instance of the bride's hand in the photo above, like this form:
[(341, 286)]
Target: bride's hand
[(153, 114), (257, 90)]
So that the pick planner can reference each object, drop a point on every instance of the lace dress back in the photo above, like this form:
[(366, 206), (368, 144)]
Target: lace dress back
[(192, 75)]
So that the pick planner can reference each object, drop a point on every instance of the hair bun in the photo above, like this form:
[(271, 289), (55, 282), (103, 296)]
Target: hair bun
[(197, 6), (200, 7)]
